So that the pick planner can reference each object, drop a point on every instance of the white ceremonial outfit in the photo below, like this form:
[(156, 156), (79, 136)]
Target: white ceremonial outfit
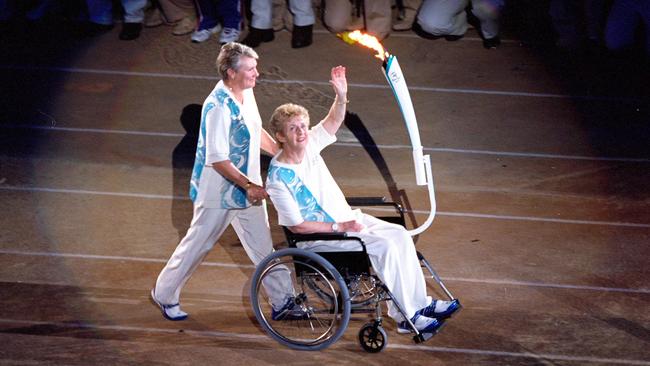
[(307, 192), (229, 131), (447, 17), (302, 10)]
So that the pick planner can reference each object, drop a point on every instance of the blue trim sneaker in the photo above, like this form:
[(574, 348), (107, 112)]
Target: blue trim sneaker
[(440, 309), (229, 35), (422, 324), (289, 311), (170, 312), (202, 35)]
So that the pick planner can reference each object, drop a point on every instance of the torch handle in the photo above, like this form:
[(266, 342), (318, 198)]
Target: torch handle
[(418, 162), (432, 198)]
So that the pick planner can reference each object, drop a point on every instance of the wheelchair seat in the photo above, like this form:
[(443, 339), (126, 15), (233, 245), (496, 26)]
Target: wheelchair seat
[(347, 263)]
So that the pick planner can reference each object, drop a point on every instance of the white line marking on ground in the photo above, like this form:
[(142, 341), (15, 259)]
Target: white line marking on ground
[(349, 144), (115, 258), (406, 34), (547, 285), (541, 356), (250, 266), (505, 153), (264, 338), (285, 81), (112, 300), (540, 219), (439, 213)]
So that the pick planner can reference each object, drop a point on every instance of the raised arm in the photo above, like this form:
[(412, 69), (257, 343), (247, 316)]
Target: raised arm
[(336, 114)]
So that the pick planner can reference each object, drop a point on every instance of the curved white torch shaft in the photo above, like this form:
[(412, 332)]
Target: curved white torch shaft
[(423, 176), (397, 82)]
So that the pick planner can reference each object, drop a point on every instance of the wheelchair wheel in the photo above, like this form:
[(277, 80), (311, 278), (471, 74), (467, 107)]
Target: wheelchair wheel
[(319, 295), (372, 337)]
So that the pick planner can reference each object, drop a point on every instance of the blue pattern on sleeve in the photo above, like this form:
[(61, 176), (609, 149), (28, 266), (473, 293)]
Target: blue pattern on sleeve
[(310, 210)]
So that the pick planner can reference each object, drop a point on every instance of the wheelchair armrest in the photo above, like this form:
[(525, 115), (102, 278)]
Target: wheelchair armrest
[(321, 236), (373, 201), (366, 201), (293, 238), (379, 201)]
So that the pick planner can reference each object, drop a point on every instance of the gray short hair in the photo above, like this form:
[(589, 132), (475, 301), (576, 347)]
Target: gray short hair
[(230, 55)]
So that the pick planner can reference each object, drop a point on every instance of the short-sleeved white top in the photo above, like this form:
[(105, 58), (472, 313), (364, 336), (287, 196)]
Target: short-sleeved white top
[(226, 126), (307, 191)]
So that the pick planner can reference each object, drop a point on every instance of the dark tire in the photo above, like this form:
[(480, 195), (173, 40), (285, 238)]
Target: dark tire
[(373, 338)]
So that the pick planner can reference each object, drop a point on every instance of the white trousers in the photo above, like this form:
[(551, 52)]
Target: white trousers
[(378, 16), (208, 224), (448, 17), (394, 259), (302, 10)]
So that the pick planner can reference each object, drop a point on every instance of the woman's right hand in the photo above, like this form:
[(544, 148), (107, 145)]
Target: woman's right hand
[(350, 226), (255, 193)]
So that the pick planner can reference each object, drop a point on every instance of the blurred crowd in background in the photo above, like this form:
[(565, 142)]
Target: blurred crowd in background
[(597, 26)]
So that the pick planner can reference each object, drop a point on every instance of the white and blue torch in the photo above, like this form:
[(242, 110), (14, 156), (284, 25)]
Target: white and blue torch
[(395, 78)]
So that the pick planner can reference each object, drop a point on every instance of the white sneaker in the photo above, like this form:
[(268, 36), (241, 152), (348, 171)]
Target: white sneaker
[(422, 324), (170, 312), (229, 35), (204, 34)]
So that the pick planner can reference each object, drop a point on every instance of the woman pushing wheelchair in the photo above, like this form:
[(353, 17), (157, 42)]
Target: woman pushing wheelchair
[(308, 200)]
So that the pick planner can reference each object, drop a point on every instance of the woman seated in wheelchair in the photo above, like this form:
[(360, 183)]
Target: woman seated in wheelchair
[(308, 200)]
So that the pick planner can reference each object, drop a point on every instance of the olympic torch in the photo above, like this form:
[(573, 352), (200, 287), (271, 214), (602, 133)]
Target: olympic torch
[(395, 78)]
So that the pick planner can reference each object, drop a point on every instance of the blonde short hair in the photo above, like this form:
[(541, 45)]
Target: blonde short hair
[(282, 114), (230, 55)]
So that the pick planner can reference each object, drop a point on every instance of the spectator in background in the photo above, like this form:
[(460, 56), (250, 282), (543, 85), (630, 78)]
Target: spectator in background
[(406, 15), (372, 15), (215, 16), (261, 27), (624, 20), (449, 19), (282, 17), (32, 10), (578, 24), (179, 13), (100, 14)]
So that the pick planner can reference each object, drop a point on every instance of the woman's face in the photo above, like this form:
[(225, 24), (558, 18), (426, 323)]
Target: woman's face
[(246, 75), (294, 133)]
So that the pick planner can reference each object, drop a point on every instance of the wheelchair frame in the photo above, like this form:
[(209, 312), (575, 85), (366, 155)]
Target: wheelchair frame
[(332, 286)]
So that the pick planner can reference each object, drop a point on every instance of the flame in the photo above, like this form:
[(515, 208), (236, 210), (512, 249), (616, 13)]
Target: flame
[(365, 40)]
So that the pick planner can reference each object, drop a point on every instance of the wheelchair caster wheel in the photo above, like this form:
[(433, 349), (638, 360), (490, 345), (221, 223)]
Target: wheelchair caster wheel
[(372, 338)]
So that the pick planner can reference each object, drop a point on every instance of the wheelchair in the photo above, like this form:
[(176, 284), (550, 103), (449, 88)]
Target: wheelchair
[(329, 287)]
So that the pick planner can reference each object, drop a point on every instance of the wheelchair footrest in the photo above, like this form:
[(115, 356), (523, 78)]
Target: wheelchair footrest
[(423, 337)]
